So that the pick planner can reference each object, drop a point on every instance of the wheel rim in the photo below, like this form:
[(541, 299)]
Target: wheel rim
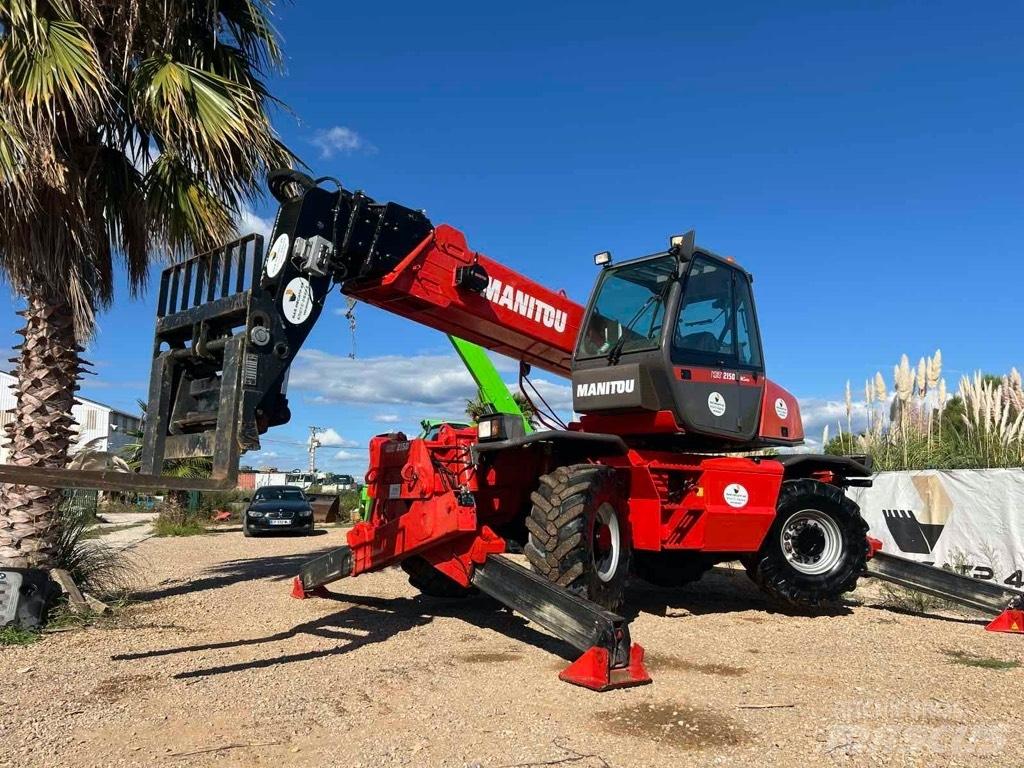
[(607, 547), (811, 542)]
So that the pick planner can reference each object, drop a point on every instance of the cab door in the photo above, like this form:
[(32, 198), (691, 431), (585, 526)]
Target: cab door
[(749, 363), (715, 352)]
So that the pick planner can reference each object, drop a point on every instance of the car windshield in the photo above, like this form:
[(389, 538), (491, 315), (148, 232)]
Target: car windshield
[(279, 494), (628, 311)]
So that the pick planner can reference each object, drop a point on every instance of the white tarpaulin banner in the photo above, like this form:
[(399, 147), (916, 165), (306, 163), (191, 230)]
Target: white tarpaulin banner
[(969, 519)]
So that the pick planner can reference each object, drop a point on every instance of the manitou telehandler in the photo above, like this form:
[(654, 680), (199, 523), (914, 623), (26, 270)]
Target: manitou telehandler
[(667, 375)]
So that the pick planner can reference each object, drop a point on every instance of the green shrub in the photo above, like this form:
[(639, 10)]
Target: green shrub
[(211, 502), (16, 636), (174, 519), (95, 567)]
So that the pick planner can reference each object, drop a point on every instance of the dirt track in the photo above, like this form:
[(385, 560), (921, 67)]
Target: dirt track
[(219, 666)]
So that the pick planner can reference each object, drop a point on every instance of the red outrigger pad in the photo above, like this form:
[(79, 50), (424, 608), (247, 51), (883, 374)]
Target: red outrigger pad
[(1010, 620), (593, 670), (299, 593)]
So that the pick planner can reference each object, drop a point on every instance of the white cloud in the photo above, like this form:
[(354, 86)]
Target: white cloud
[(249, 221), (387, 418), (344, 455), (558, 396), (332, 439), (421, 380), (339, 139), (436, 385), (817, 413)]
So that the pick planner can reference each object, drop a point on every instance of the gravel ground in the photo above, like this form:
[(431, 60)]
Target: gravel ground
[(123, 530), (216, 665)]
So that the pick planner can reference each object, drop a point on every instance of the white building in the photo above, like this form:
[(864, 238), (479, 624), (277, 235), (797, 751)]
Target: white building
[(101, 427)]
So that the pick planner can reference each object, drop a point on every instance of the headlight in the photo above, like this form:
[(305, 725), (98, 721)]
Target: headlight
[(255, 513), (485, 429), (306, 512)]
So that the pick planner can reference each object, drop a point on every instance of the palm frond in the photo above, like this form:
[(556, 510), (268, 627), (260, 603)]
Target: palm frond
[(53, 69), (183, 209)]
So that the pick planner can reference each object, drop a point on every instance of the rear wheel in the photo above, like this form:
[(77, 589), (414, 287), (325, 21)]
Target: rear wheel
[(577, 533), (670, 569), (430, 581), (816, 548)]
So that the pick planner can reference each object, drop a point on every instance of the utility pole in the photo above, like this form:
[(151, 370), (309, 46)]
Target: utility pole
[(313, 445)]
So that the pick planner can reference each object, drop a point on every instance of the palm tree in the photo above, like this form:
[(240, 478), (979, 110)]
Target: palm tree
[(129, 130)]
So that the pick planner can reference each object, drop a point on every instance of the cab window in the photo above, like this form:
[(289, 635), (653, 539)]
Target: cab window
[(628, 309), (704, 331), (748, 341), (716, 324)]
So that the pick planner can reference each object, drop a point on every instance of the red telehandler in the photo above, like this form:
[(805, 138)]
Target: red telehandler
[(667, 375)]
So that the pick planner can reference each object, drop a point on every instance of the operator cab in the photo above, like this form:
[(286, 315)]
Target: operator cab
[(670, 344)]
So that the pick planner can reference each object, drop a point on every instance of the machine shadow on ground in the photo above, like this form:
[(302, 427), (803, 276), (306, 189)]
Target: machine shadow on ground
[(363, 621), (272, 568), (721, 590)]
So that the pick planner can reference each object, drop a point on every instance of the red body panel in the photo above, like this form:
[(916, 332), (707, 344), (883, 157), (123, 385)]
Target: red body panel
[(514, 316), (705, 503), (429, 500), (780, 415)]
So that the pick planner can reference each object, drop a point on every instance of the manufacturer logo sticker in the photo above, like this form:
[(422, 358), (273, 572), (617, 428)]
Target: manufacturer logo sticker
[(598, 388), (297, 301), (716, 404), (736, 495), (276, 257), (781, 409)]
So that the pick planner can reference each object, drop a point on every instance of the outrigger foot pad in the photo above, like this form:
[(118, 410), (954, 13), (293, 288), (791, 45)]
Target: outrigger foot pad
[(1010, 620), (300, 593), (593, 670)]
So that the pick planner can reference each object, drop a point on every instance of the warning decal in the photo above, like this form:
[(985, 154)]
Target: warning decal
[(297, 301), (736, 495), (781, 409), (716, 404), (276, 257)]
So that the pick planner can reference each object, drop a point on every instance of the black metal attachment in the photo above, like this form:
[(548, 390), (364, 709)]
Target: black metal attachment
[(26, 595), (980, 595), (327, 568), (578, 622), (472, 278)]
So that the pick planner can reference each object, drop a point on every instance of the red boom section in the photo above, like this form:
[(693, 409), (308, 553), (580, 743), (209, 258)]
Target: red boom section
[(513, 315)]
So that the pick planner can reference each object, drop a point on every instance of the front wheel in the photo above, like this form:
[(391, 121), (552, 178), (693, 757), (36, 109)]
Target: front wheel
[(816, 548), (578, 535)]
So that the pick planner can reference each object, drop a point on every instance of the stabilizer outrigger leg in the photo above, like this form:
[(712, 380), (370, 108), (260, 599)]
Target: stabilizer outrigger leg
[(1006, 604), (610, 659)]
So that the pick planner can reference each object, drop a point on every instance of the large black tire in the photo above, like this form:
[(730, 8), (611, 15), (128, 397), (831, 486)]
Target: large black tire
[(430, 581), (816, 548), (670, 569), (579, 537)]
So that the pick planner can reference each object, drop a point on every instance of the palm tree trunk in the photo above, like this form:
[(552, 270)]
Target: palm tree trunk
[(40, 433)]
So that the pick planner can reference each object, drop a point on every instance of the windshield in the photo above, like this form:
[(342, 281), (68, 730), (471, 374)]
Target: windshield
[(278, 494), (629, 308)]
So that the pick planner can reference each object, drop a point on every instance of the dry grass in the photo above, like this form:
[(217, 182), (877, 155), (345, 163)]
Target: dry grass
[(917, 425)]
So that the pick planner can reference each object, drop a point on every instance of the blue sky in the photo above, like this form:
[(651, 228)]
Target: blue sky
[(862, 160)]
